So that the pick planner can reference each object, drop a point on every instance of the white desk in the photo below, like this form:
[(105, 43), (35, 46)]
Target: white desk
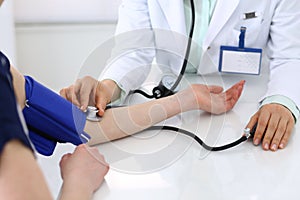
[(168, 165)]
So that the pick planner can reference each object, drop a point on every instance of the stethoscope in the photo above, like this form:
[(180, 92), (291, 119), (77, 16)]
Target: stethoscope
[(168, 84), (167, 87)]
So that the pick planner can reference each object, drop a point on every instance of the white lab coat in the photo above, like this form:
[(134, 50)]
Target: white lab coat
[(276, 29)]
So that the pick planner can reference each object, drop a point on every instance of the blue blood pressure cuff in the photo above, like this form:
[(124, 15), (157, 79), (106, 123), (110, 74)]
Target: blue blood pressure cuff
[(11, 127), (51, 118)]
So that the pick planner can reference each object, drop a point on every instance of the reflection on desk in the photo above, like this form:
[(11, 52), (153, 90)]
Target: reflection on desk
[(168, 165)]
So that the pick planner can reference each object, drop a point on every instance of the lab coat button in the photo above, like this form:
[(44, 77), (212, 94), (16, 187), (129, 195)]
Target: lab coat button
[(208, 48)]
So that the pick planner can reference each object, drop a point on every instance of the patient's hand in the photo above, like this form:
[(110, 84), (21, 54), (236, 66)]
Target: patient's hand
[(84, 170), (210, 98)]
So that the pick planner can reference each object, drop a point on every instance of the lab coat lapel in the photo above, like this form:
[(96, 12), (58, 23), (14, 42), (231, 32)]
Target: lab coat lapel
[(174, 13), (222, 13)]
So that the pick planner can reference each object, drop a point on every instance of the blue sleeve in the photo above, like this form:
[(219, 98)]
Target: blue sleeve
[(11, 126)]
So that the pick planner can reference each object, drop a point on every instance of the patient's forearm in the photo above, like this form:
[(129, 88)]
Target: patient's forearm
[(124, 121)]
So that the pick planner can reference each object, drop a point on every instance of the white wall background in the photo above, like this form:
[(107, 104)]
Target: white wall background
[(53, 54), (7, 32), (41, 11), (54, 37)]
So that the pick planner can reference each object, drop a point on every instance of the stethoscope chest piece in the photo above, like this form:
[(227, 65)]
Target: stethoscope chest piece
[(91, 114)]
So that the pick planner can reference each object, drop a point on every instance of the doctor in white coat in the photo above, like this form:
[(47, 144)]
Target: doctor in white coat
[(272, 25)]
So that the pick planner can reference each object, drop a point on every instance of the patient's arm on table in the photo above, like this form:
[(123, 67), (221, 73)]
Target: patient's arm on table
[(124, 121)]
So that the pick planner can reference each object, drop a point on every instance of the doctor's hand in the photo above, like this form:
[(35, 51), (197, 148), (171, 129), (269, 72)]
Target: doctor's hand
[(210, 98), (274, 126), (89, 91)]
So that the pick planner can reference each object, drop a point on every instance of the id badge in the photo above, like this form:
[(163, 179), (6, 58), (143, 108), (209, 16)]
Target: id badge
[(240, 59)]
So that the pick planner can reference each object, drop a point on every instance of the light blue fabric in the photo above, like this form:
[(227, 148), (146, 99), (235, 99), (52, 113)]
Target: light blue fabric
[(204, 11)]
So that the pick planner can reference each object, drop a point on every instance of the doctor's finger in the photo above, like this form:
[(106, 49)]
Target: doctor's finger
[(101, 107), (262, 122), (86, 91), (77, 86), (253, 122), (280, 131), (101, 103), (68, 93), (62, 93), (270, 131), (287, 135)]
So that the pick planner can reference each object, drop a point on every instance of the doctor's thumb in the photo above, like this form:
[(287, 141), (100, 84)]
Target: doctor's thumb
[(101, 105)]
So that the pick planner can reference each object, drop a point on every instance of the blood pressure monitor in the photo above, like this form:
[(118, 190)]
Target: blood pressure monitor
[(164, 87)]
